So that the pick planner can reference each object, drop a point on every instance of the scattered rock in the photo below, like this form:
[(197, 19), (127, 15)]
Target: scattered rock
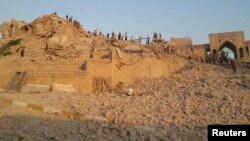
[(209, 95), (238, 81)]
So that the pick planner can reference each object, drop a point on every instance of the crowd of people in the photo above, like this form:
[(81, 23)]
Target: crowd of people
[(70, 19), (113, 35), (220, 57), (124, 37), (169, 50), (75, 22), (156, 36)]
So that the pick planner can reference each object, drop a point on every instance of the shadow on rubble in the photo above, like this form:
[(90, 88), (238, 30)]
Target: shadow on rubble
[(27, 128)]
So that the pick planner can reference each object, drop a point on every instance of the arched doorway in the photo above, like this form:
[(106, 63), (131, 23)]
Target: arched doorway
[(247, 50), (230, 49), (241, 52)]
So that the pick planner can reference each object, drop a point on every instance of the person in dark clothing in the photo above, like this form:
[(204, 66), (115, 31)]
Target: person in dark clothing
[(46, 47), (22, 52), (148, 40), (232, 62), (71, 19), (140, 39), (154, 36), (108, 35), (119, 36)]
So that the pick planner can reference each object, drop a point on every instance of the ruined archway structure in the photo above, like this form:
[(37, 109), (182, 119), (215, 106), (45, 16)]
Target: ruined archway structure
[(231, 46), (235, 41), (232, 40)]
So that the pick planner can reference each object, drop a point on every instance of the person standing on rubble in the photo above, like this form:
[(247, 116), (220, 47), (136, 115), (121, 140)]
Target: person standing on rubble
[(126, 36), (154, 36), (140, 39), (113, 35), (232, 62), (148, 40), (95, 32), (107, 35), (119, 36), (22, 52), (46, 47)]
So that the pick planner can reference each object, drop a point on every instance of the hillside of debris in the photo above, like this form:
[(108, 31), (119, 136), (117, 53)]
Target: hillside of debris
[(51, 38), (175, 108)]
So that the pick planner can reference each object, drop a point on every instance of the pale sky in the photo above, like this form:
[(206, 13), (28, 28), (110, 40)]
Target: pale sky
[(172, 18)]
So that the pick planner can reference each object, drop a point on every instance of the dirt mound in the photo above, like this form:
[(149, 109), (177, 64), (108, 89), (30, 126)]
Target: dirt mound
[(49, 35), (52, 38)]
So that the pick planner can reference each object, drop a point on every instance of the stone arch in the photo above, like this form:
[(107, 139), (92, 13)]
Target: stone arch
[(247, 50), (231, 46)]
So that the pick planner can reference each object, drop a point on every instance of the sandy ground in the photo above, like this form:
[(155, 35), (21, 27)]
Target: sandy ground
[(177, 108)]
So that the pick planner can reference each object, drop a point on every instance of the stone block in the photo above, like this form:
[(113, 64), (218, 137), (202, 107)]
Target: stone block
[(33, 89), (61, 88)]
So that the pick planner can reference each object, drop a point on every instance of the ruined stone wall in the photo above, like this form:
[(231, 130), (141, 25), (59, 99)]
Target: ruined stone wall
[(235, 38), (42, 74), (45, 74), (184, 42), (128, 73), (247, 48), (200, 51)]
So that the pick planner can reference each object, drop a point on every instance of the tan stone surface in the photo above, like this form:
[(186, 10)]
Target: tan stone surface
[(30, 89)]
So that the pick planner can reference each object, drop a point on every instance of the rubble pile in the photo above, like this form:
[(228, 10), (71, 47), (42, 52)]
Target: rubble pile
[(177, 108), (47, 37), (51, 38), (173, 108), (168, 47)]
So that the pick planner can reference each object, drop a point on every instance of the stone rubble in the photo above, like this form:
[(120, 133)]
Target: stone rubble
[(176, 108)]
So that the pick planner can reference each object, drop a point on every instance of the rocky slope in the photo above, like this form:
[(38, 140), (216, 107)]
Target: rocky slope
[(176, 108)]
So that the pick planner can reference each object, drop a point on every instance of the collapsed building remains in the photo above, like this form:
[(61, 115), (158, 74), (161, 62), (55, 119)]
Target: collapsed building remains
[(52, 51)]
